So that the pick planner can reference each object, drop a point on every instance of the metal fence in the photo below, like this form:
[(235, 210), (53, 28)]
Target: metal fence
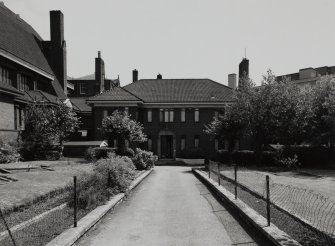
[(38, 223), (306, 216)]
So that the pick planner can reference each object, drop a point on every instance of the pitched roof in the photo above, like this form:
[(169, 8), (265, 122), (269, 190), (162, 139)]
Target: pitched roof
[(80, 104), (180, 90), (86, 77), (21, 40), (116, 94)]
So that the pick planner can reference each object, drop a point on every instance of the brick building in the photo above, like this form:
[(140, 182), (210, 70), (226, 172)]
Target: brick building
[(31, 69), (173, 111), (308, 76), (87, 86)]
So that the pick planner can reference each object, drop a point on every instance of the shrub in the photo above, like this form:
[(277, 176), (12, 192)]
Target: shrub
[(96, 153), (8, 151), (110, 176), (192, 154), (290, 162), (143, 159), (127, 152)]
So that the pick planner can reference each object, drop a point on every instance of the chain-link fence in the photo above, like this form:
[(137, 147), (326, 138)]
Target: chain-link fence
[(307, 217)]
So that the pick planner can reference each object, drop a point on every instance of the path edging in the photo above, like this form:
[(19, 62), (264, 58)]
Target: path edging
[(273, 233), (70, 236)]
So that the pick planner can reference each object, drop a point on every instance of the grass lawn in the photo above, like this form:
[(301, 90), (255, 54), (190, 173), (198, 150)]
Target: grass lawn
[(38, 182)]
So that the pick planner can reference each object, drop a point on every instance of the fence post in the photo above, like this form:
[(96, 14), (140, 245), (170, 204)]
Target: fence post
[(219, 174), (268, 199), (7, 227), (75, 201), (235, 171)]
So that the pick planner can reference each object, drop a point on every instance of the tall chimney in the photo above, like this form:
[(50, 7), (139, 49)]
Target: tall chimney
[(135, 75), (243, 70), (99, 74), (232, 80), (57, 55), (159, 76)]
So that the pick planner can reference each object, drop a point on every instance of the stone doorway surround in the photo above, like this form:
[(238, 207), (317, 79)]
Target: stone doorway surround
[(174, 147)]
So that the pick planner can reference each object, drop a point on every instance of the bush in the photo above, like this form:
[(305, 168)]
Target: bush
[(143, 160), (96, 153), (192, 154), (245, 157), (110, 176), (8, 151), (128, 152)]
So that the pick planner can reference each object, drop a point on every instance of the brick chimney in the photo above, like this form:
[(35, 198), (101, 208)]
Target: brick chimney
[(159, 76), (99, 74), (57, 49), (232, 80), (135, 75)]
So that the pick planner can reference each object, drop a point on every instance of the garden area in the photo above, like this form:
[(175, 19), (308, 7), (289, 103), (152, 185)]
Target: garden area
[(43, 193)]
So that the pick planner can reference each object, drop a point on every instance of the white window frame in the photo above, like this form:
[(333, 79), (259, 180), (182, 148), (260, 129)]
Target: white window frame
[(182, 115), (82, 88), (196, 115), (149, 115)]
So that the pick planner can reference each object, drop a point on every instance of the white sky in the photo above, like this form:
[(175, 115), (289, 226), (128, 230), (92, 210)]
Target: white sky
[(189, 38)]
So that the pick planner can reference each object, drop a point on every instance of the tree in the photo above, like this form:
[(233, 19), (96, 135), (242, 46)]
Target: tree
[(47, 125), (321, 118), (119, 126), (233, 124)]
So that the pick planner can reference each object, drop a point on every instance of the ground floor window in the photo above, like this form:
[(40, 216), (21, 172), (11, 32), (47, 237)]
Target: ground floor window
[(182, 143), (149, 143), (196, 142)]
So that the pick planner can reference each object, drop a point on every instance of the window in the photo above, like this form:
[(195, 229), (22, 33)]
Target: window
[(161, 115), (182, 143), (182, 115), (23, 83), (166, 115), (216, 144), (149, 115), (196, 115), (115, 143), (149, 143), (22, 115), (196, 142), (126, 110), (82, 88), (6, 76), (105, 113), (216, 114)]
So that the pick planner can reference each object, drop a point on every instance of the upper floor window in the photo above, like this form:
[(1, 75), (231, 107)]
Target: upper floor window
[(82, 88), (105, 112), (182, 115), (23, 82), (149, 115), (196, 115), (6, 76), (216, 114), (166, 115), (126, 110)]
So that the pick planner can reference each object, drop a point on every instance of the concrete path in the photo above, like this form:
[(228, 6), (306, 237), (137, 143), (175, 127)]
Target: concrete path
[(171, 207)]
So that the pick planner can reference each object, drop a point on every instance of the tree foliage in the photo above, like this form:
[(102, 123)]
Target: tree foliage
[(121, 127), (47, 125)]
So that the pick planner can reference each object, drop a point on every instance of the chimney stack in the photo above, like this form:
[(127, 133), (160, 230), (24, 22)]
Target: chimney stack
[(159, 76), (243, 70), (135, 75), (232, 80), (99, 74), (57, 48)]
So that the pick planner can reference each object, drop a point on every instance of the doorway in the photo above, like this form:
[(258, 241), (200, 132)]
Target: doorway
[(166, 146)]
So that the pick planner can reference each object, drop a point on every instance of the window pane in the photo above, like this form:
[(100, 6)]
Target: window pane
[(216, 114), (171, 115), (182, 115), (196, 115), (105, 113), (126, 110), (166, 115), (149, 115)]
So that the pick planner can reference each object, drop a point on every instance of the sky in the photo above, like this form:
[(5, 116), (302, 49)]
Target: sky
[(189, 38)]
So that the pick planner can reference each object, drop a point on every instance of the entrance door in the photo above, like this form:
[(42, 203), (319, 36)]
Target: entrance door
[(166, 147)]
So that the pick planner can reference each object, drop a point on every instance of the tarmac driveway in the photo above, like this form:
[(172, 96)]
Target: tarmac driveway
[(170, 207)]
